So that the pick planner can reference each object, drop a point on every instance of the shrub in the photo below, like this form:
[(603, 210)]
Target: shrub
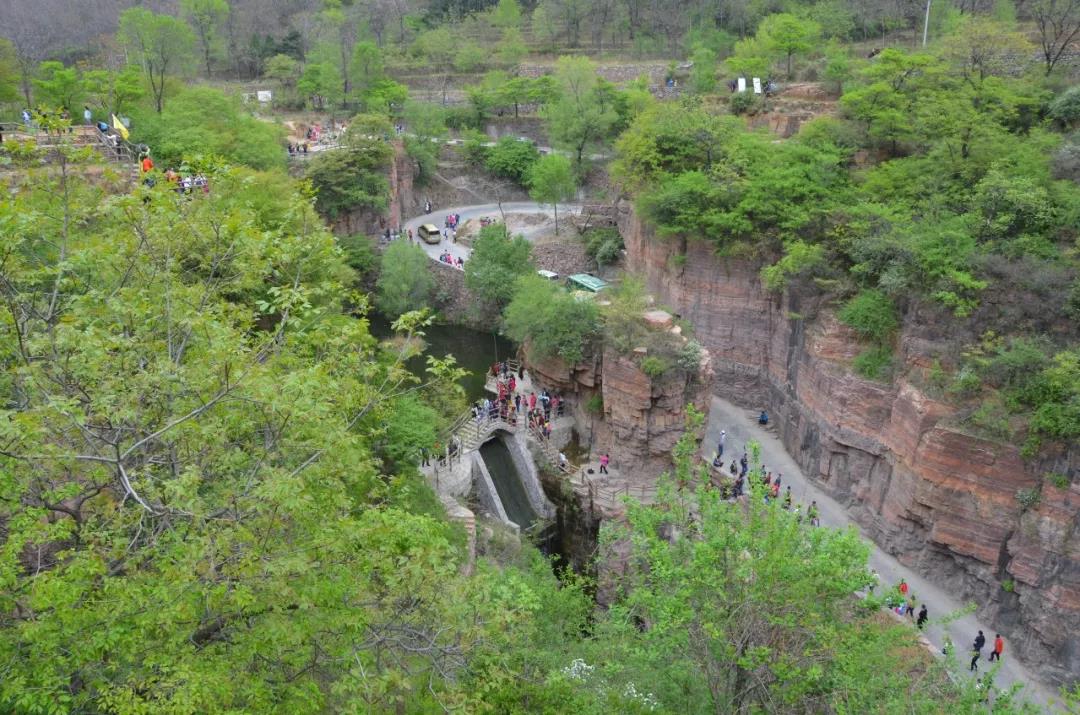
[(512, 159), (743, 103), (653, 366), (800, 258), (966, 383), (1061, 481), (595, 404), (872, 314), (1065, 109), (1028, 498), (603, 245), (874, 364), (689, 356)]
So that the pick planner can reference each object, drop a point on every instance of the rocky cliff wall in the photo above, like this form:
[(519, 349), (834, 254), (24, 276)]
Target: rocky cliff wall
[(942, 501), (641, 417)]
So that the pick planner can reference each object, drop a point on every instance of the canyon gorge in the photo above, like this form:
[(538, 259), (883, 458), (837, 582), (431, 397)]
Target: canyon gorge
[(944, 500)]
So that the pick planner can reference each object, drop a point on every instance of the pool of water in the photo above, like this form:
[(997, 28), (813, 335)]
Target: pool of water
[(474, 350)]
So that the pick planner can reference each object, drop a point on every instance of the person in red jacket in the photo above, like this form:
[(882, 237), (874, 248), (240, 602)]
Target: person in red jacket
[(147, 164), (999, 646), (903, 588)]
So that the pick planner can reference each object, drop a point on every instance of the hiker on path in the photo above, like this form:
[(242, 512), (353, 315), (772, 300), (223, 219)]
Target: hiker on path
[(999, 646), (904, 589), (720, 445), (976, 648), (921, 621), (604, 460)]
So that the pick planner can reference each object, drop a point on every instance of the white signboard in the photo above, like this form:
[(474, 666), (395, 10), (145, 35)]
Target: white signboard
[(265, 95), (757, 85), (742, 84)]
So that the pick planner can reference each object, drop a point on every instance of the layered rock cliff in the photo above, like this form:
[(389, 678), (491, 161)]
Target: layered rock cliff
[(637, 418), (943, 501)]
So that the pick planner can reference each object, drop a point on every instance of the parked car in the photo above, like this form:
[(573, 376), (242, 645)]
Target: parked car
[(430, 233)]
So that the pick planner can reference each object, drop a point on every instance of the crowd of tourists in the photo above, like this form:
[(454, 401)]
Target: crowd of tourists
[(456, 262), (512, 404)]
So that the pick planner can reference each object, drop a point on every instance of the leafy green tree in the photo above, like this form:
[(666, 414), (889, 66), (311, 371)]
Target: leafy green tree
[(386, 96), (512, 49), (497, 261), (469, 57), (225, 495), (426, 129), (58, 86), (788, 35), (751, 58), (9, 72), (551, 321), (205, 122), (512, 159), (552, 181), (161, 44), (579, 117), (283, 69), (321, 84), (114, 92), (506, 14), (703, 73), (206, 18), (366, 67), (404, 282), (354, 177)]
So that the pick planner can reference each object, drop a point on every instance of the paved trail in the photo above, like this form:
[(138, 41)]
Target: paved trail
[(476, 211), (741, 426)]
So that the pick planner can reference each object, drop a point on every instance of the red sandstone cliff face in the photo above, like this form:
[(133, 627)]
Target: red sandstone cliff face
[(942, 501), (643, 417)]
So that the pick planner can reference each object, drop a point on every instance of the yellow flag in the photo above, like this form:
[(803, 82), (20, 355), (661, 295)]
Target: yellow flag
[(119, 127)]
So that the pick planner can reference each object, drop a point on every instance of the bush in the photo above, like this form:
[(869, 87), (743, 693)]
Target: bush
[(512, 159), (1065, 109), (595, 404), (551, 320), (654, 366), (1061, 481), (871, 314), (874, 363), (689, 356), (1028, 498), (603, 245), (743, 103)]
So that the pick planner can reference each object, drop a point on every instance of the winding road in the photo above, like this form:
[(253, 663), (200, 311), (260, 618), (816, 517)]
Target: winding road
[(457, 250)]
